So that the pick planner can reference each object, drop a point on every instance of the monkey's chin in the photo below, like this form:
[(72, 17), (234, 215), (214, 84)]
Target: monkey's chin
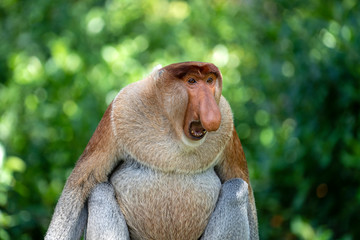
[(192, 143)]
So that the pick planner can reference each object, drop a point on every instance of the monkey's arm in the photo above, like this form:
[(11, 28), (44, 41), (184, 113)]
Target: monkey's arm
[(233, 165), (229, 219), (94, 165), (105, 219)]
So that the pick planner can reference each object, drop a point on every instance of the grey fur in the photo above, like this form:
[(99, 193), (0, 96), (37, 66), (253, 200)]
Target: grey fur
[(230, 217), (69, 219), (253, 221), (228, 221), (105, 220)]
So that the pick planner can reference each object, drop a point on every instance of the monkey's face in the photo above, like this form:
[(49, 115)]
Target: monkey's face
[(195, 90)]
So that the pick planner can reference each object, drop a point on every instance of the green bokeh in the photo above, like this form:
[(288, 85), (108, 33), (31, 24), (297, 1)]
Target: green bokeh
[(291, 74)]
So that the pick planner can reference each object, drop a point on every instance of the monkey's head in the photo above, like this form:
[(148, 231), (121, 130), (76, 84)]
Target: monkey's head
[(179, 111), (195, 89)]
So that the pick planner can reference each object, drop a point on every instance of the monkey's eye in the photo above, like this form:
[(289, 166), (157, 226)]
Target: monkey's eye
[(210, 80), (191, 81)]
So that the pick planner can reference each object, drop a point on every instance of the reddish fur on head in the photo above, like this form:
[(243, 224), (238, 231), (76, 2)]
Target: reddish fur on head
[(203, 83)]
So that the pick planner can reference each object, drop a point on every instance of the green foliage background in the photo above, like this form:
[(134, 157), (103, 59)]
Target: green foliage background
[(291, 74)]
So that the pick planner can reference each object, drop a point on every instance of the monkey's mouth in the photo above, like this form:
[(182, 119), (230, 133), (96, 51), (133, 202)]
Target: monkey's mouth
[(196, 130)]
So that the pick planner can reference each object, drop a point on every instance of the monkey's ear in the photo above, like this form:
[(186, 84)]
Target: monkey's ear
[(233, 163), (157, 72)]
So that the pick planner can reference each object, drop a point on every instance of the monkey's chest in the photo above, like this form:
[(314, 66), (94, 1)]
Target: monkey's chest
[(165, 206)]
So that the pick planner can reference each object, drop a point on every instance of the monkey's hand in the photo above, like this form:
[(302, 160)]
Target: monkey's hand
[(105, 219), (230, 219)]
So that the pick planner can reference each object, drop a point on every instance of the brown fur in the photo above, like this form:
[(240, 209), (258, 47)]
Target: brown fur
[(100, 151), (234, 164), (166, 187)]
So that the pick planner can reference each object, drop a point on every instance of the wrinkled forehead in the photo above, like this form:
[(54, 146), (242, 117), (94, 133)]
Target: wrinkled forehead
[(199, 69)]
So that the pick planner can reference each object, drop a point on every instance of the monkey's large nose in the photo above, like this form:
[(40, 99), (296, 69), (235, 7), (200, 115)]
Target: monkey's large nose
[(211, 119), (209, 112), (202, 114)]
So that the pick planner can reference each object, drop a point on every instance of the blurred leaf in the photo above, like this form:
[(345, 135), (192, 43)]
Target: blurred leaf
[(291, 75)]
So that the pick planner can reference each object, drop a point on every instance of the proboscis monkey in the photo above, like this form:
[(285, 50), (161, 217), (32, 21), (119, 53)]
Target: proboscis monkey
[(165, 162)]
